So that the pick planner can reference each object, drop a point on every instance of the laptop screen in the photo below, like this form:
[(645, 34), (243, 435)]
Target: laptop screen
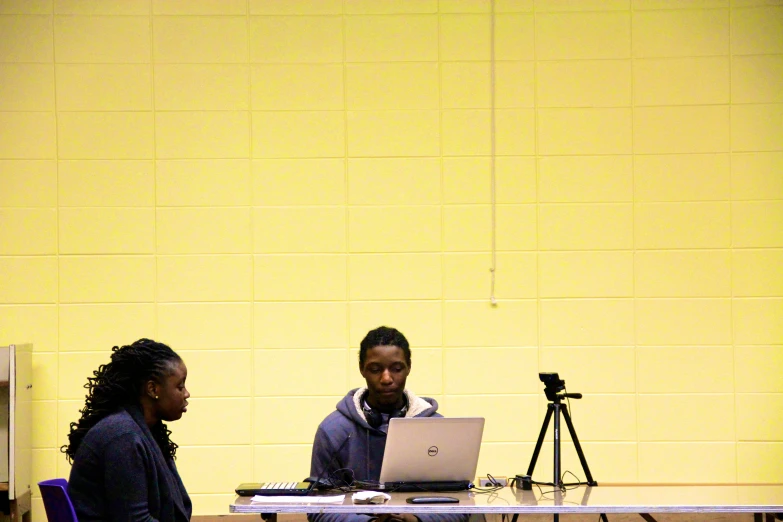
[(432, 449)]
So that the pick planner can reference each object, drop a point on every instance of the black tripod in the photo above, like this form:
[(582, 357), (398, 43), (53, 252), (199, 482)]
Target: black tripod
[(556, 407), (553, 389)]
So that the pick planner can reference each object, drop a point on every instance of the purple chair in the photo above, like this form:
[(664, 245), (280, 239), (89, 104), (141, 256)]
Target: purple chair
[(56, 500)]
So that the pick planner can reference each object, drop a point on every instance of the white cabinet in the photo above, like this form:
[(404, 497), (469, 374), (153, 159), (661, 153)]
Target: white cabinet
[(16, 395)]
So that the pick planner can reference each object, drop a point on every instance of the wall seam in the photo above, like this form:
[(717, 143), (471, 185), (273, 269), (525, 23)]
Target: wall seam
[(731, 255), (443, 300), (253, 418), (537, 252), (57, 235), (156, 326), (636, 363), (346, 199)]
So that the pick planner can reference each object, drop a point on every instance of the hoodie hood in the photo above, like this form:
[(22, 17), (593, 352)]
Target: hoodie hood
[(351, 406)]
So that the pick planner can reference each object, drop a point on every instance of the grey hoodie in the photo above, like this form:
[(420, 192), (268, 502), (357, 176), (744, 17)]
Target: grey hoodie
[(344, 441)]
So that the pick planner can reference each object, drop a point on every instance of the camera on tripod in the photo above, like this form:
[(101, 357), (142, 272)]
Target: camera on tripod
[(553, 385)]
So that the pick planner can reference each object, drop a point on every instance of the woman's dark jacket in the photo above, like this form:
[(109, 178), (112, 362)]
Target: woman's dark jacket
[(119, 473)]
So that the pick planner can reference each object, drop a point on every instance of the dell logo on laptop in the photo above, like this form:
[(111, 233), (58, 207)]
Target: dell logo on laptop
[(432, 451)]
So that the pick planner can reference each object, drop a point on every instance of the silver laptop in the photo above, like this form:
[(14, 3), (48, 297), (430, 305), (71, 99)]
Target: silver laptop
[(431, 453)]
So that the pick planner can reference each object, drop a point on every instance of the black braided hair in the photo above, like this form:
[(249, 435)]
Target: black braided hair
[(120, 383)]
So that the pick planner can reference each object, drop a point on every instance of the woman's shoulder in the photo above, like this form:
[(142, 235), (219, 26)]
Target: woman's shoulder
[(119, 424)]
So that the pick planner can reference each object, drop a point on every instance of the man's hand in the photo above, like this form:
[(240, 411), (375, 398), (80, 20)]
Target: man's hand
[(398, 517)]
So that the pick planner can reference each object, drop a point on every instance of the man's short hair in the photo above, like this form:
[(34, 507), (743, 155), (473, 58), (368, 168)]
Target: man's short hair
[(384, 336)]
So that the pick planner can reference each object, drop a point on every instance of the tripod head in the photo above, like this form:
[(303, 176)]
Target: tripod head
[(553, 385)]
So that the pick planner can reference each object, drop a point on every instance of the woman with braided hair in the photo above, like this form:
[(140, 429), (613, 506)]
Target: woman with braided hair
[(123, 459)]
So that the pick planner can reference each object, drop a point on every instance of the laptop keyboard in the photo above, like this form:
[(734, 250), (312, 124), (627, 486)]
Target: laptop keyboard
[(274, 488), (279, 485)]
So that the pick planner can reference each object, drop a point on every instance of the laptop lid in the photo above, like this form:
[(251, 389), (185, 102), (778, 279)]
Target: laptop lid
[(432, 449)]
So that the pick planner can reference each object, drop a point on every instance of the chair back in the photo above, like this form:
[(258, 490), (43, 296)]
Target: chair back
[(56, 500)]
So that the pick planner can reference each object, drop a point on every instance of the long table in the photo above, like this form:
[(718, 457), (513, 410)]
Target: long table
[(644, 500)]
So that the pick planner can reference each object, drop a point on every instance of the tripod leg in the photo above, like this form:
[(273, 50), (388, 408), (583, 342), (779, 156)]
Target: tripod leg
[(541, 436), (578, 446), (558, 480), (603, 517)]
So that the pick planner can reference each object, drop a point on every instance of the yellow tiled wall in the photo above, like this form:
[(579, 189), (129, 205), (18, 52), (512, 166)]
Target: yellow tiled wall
[(259, 182)]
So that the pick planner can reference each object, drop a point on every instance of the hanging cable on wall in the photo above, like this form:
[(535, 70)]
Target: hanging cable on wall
[(493, 267)]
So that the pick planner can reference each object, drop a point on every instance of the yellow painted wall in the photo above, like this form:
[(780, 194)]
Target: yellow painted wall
[(260, 182)]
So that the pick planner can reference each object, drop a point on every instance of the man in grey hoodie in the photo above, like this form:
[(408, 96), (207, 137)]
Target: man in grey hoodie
[(350, 442)]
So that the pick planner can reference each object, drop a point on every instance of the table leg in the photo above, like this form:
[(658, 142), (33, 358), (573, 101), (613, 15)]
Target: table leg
[(19, 508)]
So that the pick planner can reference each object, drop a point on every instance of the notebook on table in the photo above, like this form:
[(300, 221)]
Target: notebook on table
[(431, 453)]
